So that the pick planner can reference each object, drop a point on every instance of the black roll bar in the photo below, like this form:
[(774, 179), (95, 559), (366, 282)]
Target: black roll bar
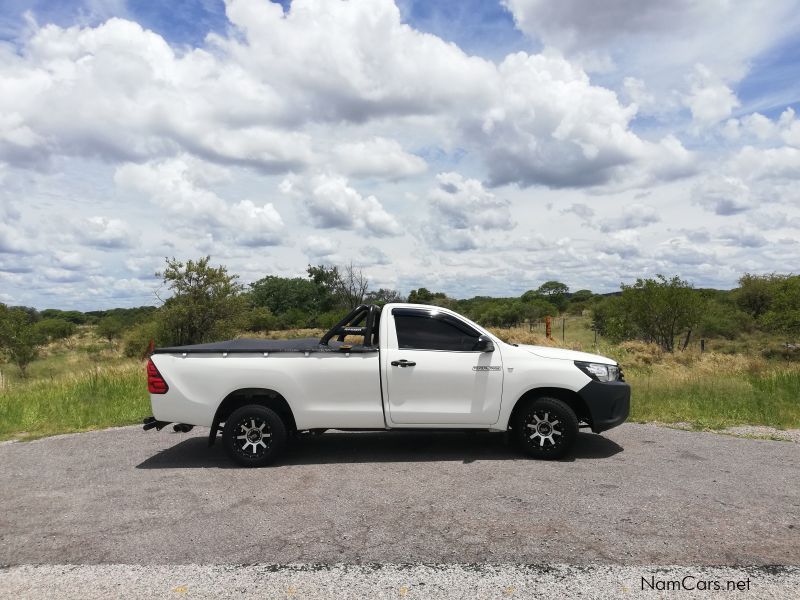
[(351, 325)]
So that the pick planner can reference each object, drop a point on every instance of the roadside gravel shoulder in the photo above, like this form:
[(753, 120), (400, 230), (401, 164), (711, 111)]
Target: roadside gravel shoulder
[(375, 581)]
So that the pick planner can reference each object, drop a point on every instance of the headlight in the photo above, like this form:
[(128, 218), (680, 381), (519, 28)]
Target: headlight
[(599, 371)]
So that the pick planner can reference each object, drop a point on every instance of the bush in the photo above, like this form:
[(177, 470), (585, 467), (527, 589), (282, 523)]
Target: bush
[(755, 293), (110, 328), (261, 319), (328, 319), (136, 340), (722, 320), (658, 310), (610, 321), (281, 295), (18, 337), (783, 314), (294, 318), (54, 329)]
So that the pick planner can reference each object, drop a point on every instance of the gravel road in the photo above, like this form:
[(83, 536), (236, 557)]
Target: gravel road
[(641, 495), (373, 582)]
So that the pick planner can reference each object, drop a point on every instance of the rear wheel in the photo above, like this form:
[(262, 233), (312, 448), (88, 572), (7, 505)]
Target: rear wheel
[(254, 435), (544, 428)]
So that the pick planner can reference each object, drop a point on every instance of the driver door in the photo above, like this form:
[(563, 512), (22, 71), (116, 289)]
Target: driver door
[(435, 376)]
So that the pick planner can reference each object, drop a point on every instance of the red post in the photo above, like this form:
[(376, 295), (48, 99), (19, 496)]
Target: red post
[(150, 347), (548, 330)]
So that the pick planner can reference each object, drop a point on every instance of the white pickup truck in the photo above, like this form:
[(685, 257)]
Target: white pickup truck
[(418, 366)]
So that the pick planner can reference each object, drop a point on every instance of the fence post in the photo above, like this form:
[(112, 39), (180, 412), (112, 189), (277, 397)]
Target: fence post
[(548, 328), (563, 330), (702, 346)]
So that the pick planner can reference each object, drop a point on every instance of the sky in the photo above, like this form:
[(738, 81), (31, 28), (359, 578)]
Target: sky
[(471, 147)]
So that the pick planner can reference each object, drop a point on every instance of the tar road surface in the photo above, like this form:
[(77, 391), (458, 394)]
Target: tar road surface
[(150, 510)]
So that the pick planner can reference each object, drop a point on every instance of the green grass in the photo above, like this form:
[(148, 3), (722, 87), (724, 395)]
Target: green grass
[(715, 401), (90, 399)]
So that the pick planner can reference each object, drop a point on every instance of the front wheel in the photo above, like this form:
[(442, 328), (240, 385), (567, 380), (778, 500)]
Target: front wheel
[(544, 428), (254, 435)]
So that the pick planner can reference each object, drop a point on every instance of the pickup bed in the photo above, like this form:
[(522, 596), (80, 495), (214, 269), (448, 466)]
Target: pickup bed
[(416, 366)]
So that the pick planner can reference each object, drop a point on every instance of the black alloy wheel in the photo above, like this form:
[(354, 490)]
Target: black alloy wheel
[(544, 428), (254, 435)]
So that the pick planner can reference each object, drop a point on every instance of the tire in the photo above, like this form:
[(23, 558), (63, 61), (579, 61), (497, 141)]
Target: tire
[(544, 428), (254, 436)]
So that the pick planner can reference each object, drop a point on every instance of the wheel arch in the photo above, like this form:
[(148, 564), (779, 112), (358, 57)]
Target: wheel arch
[(242, 397), (569, 397)]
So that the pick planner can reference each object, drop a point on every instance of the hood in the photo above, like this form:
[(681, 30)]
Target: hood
[(564, 354)]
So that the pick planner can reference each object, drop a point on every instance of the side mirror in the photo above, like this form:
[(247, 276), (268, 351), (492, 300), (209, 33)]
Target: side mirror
[(484, 344)]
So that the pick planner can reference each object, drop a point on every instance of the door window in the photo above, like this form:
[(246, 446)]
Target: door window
[(421, 330)]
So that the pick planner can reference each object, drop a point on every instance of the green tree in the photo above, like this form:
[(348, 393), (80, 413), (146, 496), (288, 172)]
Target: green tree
[(537, 308), (755, 293), (553, 292), (581, 296), (425, 296), (206, 303), (783, 314), (136, 340), (260, 318), (609, 319), (504, 313), (18, 338), (383, 296), (73, 316), (721, 317), (420, 296), (281, 294), (111, 328), (578, 301), (325, 276), (659, 309), (54, 329)]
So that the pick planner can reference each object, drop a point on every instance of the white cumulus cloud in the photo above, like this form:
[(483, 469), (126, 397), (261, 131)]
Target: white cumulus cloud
[(633, 216), (376, 157), (180, 186), (332, 203), (709, 98), (103, 232), (462, 211), (723, 195)]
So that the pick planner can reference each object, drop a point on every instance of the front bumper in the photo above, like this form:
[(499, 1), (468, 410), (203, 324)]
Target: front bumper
[(609, 403)]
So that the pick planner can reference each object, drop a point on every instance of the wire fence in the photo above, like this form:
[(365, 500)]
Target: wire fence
[(574, 329)]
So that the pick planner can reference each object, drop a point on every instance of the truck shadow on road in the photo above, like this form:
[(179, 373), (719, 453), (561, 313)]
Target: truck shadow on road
[(375, 447)]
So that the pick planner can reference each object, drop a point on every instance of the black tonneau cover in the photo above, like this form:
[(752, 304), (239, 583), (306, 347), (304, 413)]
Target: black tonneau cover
[(257, 346), (333, 341)]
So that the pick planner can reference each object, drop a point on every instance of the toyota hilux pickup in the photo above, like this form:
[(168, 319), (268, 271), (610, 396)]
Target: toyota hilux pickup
[(400, 366)]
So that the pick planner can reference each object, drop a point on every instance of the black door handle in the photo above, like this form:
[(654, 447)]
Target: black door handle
[(403, 363)]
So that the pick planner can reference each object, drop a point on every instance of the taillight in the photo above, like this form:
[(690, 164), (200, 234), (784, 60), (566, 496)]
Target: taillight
[(155, 382)]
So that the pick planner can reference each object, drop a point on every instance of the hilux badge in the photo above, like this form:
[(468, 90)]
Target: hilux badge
[(482, 368)]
